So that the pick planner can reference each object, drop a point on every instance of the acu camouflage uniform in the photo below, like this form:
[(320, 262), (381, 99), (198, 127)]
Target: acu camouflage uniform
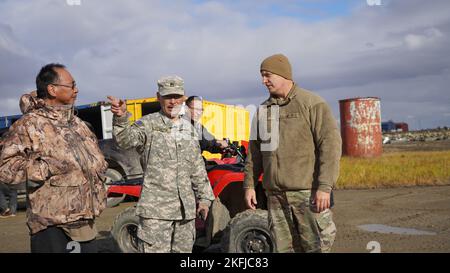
[(58, 156), (296, 226), (174, 177)]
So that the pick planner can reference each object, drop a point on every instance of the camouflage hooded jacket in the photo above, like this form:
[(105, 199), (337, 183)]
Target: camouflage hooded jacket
[(59, 157)]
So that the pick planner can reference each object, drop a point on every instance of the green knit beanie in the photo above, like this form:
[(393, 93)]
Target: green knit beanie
[(278, 64)]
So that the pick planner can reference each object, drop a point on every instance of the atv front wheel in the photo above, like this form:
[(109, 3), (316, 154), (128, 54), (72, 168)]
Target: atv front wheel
[(124, 230), (248, 232)]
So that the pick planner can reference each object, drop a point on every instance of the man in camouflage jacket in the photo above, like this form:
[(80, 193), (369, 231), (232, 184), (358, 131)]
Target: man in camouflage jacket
[(57, 155), (174, 172)]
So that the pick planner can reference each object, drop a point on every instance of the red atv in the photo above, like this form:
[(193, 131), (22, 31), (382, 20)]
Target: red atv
[(229, 226)]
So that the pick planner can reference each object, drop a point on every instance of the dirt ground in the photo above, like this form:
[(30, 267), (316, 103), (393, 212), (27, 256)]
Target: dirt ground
[(425, 209), (422, 208), (418, 218)]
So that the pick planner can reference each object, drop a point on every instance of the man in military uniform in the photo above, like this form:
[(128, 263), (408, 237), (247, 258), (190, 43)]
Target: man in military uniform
[(206, 140), (174, 174), (301, 165), (58, 157)]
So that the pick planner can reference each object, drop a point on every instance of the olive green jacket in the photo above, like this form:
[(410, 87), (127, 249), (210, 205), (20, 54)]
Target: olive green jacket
[(307, 153)]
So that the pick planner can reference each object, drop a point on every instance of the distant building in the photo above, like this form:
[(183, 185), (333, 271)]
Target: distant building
[(390, 126), (402, 127)]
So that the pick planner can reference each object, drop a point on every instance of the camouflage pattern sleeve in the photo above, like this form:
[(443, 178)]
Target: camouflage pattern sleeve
[(18, 161), (129, 135), (200, 182)]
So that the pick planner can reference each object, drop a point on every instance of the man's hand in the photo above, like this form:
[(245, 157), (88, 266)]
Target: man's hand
[(202, 211), (322, 200), (223, 144), (250, 198), (118, 107)]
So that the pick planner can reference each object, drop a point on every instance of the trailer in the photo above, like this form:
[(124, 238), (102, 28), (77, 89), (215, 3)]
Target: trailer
[(223, 121)]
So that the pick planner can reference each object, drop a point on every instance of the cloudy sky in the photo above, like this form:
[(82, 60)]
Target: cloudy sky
[(397, 51)]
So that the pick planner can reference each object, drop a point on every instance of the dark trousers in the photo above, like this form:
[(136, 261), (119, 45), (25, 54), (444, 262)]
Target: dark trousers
[(55, 240), (8, 199)]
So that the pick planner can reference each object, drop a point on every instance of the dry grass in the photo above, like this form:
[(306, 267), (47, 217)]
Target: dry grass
[(395, 169)]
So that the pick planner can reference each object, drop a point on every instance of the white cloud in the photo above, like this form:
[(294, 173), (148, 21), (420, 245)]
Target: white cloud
[(10, 105), (122, 47), (417, 41)]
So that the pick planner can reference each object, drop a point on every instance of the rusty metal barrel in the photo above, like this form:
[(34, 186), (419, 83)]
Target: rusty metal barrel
[(361, 127)]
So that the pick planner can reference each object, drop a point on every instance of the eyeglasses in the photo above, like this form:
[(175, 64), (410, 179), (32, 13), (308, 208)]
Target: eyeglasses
[(74, 84), (196, 109)]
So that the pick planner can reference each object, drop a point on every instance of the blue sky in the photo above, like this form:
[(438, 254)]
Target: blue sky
[(311, 9), (338, 49), (308, 11)]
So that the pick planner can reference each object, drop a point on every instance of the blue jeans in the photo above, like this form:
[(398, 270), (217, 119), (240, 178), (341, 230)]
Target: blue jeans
[(6, 194)]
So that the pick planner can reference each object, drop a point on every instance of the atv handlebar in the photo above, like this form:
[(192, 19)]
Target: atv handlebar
[(233, 149), (127, 182)]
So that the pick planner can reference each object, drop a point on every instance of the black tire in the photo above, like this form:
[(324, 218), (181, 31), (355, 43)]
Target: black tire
[(124, 230), (248, 232), (115, 199)]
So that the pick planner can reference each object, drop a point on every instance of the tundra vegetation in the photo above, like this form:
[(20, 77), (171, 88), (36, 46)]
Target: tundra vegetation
[(396, 169)]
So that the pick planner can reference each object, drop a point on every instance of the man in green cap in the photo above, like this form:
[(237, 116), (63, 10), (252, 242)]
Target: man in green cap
[(174, 178), (300, 165)]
